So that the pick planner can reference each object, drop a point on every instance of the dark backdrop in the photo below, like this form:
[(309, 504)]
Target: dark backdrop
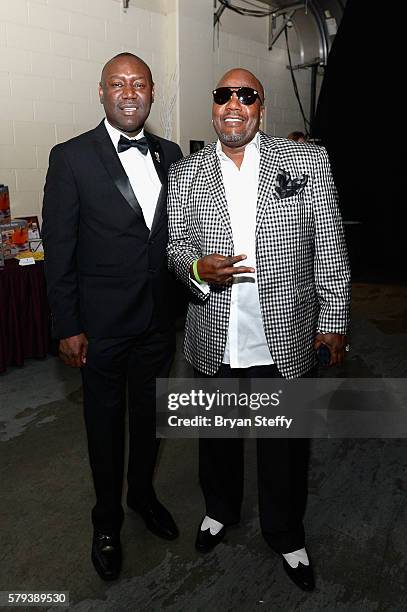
[(361, 121)]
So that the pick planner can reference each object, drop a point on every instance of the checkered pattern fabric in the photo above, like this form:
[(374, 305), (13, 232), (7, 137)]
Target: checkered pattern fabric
[(302, 265)]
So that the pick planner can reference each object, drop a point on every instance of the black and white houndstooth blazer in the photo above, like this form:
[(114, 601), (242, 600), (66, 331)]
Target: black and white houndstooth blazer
[(301, 259)]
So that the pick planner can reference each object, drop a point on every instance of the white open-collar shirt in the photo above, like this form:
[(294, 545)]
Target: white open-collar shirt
[(246, 343), (141, 172)]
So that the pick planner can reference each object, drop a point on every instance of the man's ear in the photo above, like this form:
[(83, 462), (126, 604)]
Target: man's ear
[(100, 93), (152, 93)]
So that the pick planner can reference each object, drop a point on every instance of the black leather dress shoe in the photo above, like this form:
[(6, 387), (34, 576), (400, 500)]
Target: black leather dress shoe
[(302, 575), (157, 519), (205, 541), (107, 555)]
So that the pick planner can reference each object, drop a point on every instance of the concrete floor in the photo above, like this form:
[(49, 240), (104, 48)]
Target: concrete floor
[(356, 518)]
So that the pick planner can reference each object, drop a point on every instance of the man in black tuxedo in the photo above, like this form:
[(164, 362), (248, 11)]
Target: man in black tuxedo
[(105, 235)]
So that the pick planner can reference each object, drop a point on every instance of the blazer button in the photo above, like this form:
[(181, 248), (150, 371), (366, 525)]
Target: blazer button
[(151, 270)]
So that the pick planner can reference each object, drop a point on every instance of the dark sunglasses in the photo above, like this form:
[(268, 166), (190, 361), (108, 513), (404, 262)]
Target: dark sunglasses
[(245, 95)]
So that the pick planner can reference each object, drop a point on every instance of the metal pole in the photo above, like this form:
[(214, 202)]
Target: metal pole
[(280, 30), (314, 72), (218, 14)]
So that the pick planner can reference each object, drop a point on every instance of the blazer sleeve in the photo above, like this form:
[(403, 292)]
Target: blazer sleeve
[(60, 237), (181, 251), (331, 266)]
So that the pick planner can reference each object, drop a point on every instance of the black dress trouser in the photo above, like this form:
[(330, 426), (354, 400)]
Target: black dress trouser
[(282, 469), (114, 366)]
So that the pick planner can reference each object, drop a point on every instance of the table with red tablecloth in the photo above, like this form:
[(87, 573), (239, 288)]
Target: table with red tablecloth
[(24, 313)]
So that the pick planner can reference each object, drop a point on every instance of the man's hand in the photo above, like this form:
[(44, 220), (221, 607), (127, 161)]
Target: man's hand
[(336, 344), (73, 350), (219, 269)]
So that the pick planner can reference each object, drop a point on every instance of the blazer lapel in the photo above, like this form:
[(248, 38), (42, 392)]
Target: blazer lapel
[(111, 161), (213, 175), (269, 165)]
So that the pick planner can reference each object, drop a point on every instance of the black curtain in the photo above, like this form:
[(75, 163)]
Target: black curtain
[(361, 122)]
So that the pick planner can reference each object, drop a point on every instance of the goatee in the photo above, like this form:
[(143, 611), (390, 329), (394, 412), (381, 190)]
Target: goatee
[(228, 138)]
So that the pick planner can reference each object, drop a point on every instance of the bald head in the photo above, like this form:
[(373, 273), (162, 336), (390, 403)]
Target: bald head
[(240, 77), (117, 59), (237, 120), (126, 91)]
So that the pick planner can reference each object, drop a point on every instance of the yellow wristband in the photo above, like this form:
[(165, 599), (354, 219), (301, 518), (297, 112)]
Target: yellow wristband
[(195, 271)]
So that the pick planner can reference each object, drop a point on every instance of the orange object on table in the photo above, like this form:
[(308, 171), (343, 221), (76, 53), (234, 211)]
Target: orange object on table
[(4, 205), (20, 235), (14, 237)]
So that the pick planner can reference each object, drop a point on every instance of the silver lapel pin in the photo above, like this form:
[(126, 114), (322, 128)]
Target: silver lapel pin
[(157, 156)]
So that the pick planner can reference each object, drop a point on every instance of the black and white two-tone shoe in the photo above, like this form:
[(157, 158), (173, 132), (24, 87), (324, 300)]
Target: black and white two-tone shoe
[(302, 575), (206, 541)]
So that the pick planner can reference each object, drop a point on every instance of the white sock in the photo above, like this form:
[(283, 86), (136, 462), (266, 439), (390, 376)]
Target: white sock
[(211, 524), (293, 558)]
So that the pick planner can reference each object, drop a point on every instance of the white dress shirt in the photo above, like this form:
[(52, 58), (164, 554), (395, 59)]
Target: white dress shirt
[(141, 173), (246, 344)]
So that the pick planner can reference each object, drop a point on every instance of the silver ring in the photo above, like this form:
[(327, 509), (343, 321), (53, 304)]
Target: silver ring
[(347, 348)]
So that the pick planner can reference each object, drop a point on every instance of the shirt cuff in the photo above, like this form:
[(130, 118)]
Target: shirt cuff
[(204, 286)]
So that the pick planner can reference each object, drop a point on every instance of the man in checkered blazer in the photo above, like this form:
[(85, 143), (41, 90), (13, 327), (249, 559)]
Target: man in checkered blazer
[(271, 204)]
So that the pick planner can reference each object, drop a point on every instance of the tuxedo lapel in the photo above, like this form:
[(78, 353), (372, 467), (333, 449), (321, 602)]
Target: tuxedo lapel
[(214, 179), (160, 209), (269, 165), (106, 151), (157, 155), (160, 164)]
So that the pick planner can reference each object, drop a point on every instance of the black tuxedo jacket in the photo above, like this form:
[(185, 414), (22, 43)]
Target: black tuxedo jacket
[(106, 271)]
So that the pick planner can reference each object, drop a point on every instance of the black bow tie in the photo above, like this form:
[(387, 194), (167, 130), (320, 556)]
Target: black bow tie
[(141, 144)]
